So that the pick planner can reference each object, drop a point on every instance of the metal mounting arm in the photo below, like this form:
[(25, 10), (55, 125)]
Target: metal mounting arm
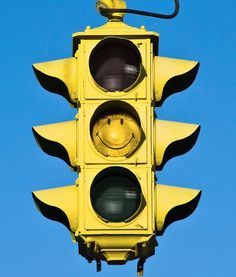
[(116, 9)]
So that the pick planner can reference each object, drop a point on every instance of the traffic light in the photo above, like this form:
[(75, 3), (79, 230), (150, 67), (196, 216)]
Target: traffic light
[(115, 79)]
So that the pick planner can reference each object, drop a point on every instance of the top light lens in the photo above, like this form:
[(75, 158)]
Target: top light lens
[(115, 64)]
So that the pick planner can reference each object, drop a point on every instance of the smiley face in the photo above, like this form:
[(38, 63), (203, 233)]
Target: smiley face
[(116, 134)]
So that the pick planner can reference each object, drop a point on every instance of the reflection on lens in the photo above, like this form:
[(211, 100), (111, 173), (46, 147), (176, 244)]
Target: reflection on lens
[(115, 66), (116, 196)]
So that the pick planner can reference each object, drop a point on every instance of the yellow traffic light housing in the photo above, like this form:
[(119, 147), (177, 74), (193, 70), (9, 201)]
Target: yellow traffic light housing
[(115, 78)]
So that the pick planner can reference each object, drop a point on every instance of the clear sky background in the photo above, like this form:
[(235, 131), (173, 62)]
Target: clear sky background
[(35, 31)]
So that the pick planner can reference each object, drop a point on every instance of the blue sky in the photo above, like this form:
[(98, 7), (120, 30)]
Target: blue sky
[(36, 31)]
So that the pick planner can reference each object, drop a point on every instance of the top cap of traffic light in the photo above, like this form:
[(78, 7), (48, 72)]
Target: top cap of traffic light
[(103, 6)]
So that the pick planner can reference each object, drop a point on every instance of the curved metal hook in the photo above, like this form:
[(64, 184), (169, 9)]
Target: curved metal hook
[(157, 15)]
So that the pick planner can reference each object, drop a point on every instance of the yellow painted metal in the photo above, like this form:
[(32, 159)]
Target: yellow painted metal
[(58, 140), (59, 204), (140, 154), (173, 203), (172, 75), (58, 76), (111, 4), (116, 242), (91, 223), (173, 139), (139, 39), (113, 29), (116, 129), (118, 249)]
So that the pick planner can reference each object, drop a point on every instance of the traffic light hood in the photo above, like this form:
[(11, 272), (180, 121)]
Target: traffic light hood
[(59, 204), (171, 76), (58, 140), (173, 139), (58, 77), (172, 204)]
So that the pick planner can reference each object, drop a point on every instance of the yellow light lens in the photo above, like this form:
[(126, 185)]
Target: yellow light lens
[(116, 134)]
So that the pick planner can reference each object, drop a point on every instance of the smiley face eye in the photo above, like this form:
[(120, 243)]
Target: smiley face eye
[(121, 121), (108, 121)]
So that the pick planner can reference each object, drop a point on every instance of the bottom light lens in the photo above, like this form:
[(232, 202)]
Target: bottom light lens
[(116, 194)]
